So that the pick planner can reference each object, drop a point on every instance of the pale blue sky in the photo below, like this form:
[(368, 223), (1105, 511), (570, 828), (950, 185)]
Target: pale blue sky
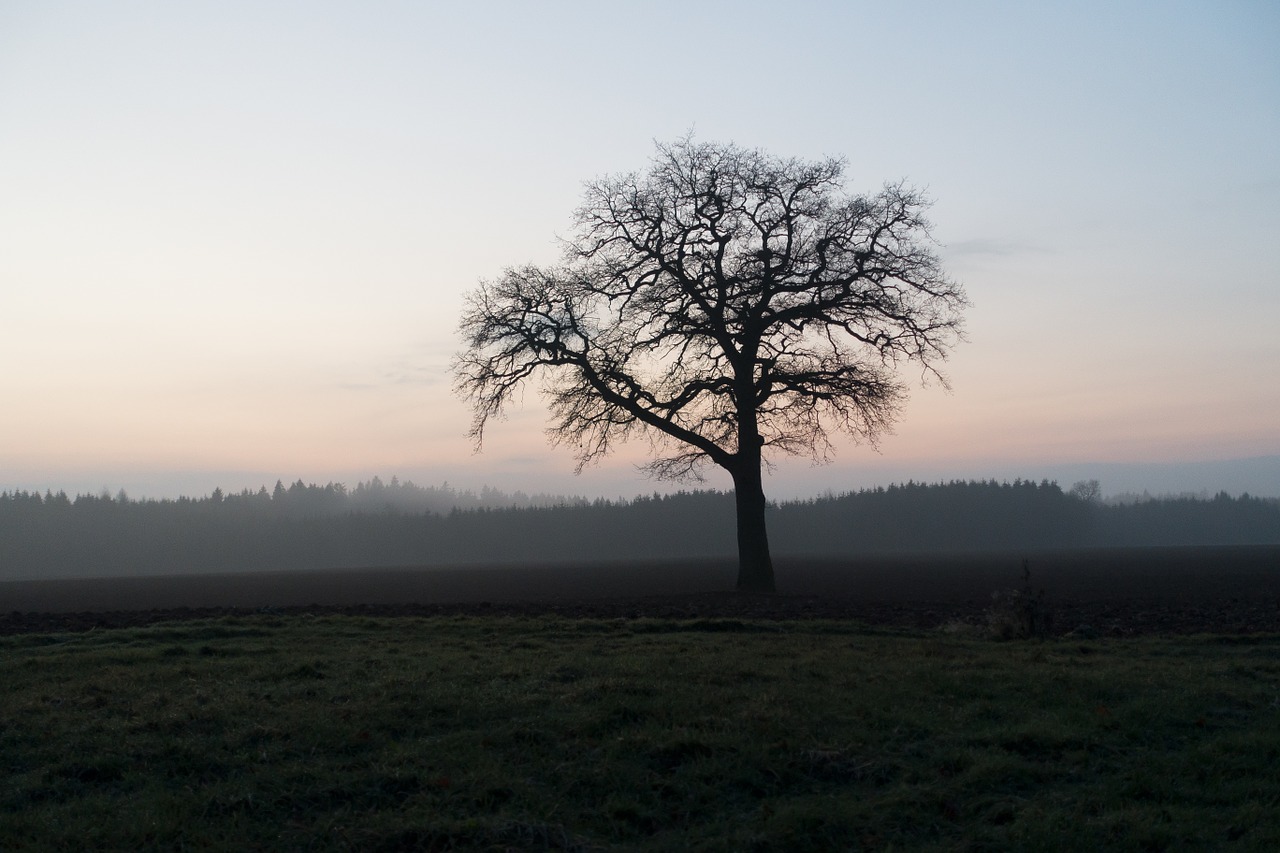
[(234, 237)]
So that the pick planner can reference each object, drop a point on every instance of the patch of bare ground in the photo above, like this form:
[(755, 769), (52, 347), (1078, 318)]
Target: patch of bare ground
[(1114, 592)]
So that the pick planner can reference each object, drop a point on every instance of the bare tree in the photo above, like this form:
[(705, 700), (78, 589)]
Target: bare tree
[(727, 304), (1088, 491)]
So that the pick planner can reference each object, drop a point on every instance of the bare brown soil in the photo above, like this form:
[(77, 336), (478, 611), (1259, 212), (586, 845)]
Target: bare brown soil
[(1115, 592)]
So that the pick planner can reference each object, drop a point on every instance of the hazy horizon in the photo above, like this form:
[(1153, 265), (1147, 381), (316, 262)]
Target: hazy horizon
[(235, 238), (1258, 477)]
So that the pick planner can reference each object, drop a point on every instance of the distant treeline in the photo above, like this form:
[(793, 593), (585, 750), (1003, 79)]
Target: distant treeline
[(302, 500), (379, 524)]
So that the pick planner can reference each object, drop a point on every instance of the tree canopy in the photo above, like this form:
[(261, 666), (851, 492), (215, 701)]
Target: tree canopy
[(728, 305)]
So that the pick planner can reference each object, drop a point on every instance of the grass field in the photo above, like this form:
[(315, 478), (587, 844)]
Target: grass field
[(545, 733)]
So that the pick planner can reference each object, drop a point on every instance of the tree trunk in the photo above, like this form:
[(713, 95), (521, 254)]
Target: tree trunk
[(755, 566)]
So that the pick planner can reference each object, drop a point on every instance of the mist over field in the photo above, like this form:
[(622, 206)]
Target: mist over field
[(377, 524)]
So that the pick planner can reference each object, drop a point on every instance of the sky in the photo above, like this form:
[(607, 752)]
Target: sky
[(235, 237)]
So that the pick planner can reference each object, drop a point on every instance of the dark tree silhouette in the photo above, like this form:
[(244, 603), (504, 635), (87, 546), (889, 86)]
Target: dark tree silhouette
[(727, 304)]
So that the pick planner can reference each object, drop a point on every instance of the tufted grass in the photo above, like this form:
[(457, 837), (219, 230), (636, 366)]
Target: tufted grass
[(344, 733)]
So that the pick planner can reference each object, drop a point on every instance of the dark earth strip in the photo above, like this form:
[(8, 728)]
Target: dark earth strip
[(1119, 618), (1115, 592)]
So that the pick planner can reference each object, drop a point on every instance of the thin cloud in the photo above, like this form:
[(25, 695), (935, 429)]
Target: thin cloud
[(424, 376), (992, 246)]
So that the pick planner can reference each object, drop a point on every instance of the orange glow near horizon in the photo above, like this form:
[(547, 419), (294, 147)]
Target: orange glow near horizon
[(255, 269)]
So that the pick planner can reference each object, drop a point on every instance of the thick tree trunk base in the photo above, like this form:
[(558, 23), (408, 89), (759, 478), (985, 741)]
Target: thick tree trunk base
[(755, 566)]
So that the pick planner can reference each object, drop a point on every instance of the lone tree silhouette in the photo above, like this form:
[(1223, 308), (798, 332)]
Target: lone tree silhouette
[(726, 304)]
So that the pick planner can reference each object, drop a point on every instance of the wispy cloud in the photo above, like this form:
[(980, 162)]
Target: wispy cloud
[(992, 246), (421, 375)]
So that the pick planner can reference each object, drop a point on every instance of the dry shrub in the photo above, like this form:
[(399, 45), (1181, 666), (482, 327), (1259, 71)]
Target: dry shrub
[(1019, 614)]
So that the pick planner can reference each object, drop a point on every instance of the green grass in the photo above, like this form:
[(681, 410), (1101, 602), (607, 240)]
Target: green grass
[(469, 733)]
